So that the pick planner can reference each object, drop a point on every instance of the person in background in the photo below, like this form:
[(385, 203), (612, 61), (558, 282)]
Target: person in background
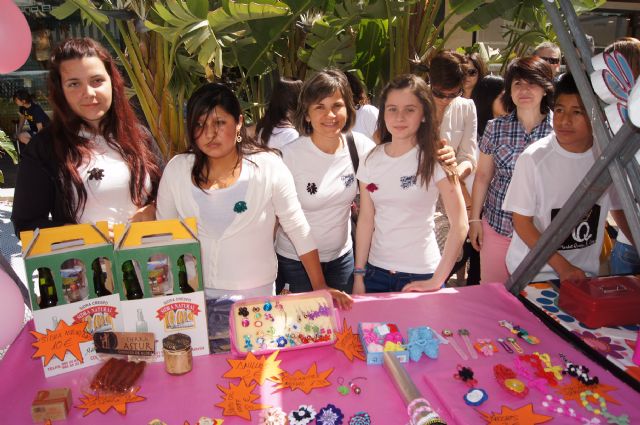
[(30, 112), (236, 189), (550, 53), (94, 161), (275, 129), (487, 96), (624, 257), (456, 121), (474, 70), (528, 98), (325, 180), (366, 114), (400, 180), (545, 176)]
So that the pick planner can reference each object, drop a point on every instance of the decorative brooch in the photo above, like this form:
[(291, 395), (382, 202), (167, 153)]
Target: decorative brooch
[(329, 415), (96, 173), (312, 188), (303, 415), (240, 207), (372, 187)]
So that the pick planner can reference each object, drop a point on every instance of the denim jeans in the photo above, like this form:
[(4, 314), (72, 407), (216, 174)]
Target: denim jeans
[(624, 259), (377, 279), (338, 273)]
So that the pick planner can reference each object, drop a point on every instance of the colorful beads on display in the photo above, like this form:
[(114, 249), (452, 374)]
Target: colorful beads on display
[(581, 373), (601, 408), (559, 406)]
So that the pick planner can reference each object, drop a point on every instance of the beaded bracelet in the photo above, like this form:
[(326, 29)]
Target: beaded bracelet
[(559, 405), (612, 419), (414, 403), (359, 271)]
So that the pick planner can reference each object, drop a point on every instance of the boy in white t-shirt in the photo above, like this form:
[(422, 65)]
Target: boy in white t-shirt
[(545, 176)]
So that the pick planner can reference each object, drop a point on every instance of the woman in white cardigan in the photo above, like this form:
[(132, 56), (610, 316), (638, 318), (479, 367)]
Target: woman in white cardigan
[(236, 190)]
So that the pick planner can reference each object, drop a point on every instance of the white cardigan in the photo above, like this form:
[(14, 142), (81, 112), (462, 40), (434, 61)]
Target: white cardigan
[(243, 257)]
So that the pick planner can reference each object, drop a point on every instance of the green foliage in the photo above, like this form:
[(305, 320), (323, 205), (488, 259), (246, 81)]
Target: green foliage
[(6, 145)]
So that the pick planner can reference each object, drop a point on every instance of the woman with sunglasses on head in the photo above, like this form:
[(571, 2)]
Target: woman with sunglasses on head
[(528, 99), (474, 70), (456, 120), (236, 189), (94, 161), (400, 180)]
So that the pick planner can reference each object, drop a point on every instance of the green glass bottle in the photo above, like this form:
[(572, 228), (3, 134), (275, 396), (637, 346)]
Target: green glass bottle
[(99, 279), (183, 281), (131, 282), (48, 293)]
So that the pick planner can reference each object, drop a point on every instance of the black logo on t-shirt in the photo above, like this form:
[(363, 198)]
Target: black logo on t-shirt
[(586, 231)]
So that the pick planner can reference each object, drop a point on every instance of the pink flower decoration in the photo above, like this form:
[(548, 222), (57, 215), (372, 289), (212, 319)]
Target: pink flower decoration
[(372, 187), (369, 337), (395, 337)]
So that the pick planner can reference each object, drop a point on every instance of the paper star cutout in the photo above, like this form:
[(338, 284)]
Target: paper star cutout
[(104, 402), (572, 390), (304, 381), (522, 416), (64, 338), (349, 343), (253, 369), (238, 400)]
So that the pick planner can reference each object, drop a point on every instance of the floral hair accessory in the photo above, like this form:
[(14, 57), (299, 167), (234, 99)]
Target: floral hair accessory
[(360, 418), (508, 380), (465, 374), (274, 416), (330, 415), (392, 346), (369, 336), (303, 415), (395, 337)]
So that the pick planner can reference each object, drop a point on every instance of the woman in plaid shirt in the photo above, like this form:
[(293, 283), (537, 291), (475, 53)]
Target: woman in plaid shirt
[(528, 98)]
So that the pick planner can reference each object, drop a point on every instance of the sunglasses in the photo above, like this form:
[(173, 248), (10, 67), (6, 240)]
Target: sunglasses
[(552, 61), (471, 72), (437, 93)]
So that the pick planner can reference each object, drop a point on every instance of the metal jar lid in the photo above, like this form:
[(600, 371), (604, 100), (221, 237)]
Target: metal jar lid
[(177, 342)]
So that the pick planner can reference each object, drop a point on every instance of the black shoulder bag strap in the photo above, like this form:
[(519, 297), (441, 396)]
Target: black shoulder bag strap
[(353, 152)]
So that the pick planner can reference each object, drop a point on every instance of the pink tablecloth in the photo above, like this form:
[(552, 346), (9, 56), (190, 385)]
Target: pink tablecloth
[(478, 309)]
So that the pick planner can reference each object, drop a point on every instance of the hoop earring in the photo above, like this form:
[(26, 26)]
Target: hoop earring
[(238, 138)]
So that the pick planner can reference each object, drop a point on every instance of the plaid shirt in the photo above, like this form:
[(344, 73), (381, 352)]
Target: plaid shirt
[(504, 139)]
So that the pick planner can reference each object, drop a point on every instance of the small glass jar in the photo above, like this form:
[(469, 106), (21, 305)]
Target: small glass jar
[(178, 358)]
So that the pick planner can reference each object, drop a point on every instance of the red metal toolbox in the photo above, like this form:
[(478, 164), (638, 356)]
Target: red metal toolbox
[(602, 301)]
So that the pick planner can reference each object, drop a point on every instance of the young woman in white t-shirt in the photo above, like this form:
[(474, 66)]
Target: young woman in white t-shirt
[(400, 180), (275, 129), (325, 180), (236, 189)]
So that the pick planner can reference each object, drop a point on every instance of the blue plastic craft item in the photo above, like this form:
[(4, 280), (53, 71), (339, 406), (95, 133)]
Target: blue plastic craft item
[(422, 340)]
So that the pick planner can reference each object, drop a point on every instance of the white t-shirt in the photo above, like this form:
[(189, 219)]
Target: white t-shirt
[(403, 237), (106, 180), (219, 203), (326, 186), (544, 177), (366, 120), (282, 136)]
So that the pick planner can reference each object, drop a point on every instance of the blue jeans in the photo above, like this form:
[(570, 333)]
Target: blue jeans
[(377, 279), (338, 273), (624, 259)]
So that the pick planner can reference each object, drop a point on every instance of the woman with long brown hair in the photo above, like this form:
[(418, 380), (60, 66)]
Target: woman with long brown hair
[(94, 161), (400, 181)]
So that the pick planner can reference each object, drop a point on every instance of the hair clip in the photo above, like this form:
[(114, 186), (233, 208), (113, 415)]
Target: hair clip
[(360, 418), (464, 333), (581, 373), (548, 367), (520, 332), (515, 345), (538, 368), (505, 345), (342, 389), (475, 396), (602, 408), (532, 379), (303, 415), (508, 380), (559, 405), (329, 415), (485, 346), (465, 374), (449, 336)]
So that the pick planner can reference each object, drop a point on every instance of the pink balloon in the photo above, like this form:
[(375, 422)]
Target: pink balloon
[(15, 37), (11, 310)]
